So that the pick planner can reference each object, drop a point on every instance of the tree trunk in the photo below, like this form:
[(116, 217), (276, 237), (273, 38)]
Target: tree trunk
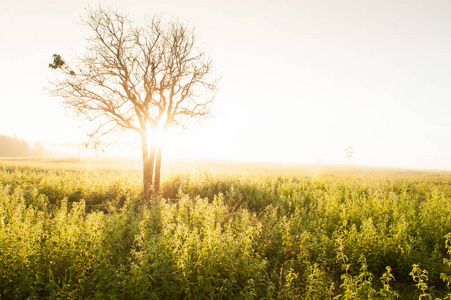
[(156, 186), (150, 167), (148, 164)]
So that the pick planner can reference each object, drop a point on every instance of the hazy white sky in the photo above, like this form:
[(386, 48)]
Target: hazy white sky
[(301, 80)]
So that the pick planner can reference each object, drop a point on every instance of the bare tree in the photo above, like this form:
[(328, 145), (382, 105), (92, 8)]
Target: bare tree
[(139, 78)]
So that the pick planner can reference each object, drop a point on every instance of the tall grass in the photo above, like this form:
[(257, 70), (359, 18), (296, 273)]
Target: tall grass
[(73, 233)]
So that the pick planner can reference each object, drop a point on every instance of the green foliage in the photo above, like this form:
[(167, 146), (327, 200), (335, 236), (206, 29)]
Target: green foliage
[(71, 233), (359, 286), (57, 63), (386, 291), (420, 277)]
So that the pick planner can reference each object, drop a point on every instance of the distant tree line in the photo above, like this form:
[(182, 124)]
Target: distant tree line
[(15, 147)]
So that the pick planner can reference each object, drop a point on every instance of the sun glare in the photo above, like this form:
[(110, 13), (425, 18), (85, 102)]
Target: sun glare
[(129, 145), (157, 136)]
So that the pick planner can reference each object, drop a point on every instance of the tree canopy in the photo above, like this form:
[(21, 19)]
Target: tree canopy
[(13, 147)]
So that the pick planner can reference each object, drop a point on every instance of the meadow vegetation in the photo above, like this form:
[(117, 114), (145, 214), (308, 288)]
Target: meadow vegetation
[(67, 231)]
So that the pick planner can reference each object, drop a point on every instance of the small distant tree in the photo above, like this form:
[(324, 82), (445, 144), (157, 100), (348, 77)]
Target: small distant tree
[(38, 150), (349, 151), (139, 78)]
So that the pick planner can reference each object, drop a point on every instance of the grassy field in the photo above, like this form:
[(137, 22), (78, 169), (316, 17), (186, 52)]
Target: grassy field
[(72, 228)]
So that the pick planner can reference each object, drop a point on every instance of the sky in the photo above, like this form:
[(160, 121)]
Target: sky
[(301, 80)]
